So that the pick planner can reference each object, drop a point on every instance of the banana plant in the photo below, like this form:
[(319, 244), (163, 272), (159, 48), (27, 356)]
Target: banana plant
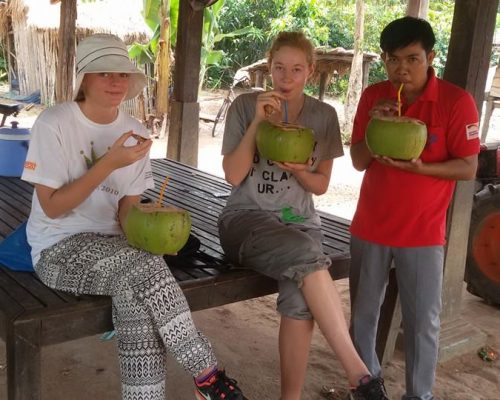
[(211, 34), (147, 52)]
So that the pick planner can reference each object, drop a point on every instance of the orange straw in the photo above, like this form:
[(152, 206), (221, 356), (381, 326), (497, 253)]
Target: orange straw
[(163, 187), (399, 99)]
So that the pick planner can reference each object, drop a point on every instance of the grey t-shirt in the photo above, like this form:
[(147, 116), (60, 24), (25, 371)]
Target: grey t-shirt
[(267, 186)]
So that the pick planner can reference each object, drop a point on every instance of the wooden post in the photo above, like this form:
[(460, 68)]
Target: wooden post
[(356, 76), (323, 82), (10, 56), (417, 8), (66, 51), (185, 110), (24, 360), (366, 74), (470, 42), (490, 107)]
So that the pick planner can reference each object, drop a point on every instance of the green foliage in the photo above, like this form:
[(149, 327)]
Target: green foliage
[(213, 34), (338, 87), (441, 18), (3, 65), (237, 33), (146, 53)]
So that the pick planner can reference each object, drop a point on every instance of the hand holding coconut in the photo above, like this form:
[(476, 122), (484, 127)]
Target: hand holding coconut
[(395, 136), (156, 228), (277, 139), (268, 104)]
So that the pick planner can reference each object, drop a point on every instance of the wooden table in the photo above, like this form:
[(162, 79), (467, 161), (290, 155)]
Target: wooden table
[(33, 316)]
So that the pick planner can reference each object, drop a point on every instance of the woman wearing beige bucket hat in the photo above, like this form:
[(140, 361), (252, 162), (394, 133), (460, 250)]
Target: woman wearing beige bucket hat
[(88, 169)]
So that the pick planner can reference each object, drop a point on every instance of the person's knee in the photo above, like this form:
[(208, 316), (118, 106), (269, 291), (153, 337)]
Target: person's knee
[(291, 302)]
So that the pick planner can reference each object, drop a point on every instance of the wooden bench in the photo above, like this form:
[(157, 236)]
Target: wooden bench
[(33, 316)]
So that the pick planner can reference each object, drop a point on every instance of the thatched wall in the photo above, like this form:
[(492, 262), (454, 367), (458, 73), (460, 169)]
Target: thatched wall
[(35, 53), (35, 26)]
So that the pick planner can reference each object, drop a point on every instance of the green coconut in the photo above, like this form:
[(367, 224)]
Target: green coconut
[(401, 138), (284, 142), (157, 229)]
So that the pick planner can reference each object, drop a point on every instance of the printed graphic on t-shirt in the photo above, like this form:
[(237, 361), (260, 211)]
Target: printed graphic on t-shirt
[(472, 131), (268, 178), (91, 160)]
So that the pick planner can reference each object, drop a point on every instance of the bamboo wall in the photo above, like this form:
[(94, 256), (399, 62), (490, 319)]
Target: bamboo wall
[(36, 57)]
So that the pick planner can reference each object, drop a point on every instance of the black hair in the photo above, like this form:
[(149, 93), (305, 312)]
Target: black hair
[(405, 31)]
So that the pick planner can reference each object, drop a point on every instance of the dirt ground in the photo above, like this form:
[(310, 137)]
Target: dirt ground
[(244, 335)]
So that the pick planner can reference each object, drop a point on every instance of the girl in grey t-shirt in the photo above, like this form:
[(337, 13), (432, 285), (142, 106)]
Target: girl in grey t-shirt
[(270, 223)]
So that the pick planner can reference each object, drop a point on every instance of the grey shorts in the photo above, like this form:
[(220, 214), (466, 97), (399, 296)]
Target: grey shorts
[(260, 241)]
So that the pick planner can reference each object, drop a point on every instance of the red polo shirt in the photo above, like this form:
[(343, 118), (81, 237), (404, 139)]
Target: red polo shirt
[(404, 209)]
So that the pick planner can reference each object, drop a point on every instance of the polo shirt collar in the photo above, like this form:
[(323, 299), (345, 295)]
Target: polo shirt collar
[(431, 88)]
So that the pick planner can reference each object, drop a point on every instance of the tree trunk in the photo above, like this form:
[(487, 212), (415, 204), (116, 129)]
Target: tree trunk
[(417, 8), (66, 51), (163, 67), (356, 77)]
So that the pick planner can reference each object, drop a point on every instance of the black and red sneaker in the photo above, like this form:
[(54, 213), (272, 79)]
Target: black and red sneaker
[(370, 388), (219, 387)]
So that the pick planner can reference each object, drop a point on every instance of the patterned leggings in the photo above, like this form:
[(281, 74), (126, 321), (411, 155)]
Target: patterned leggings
[(150, 313)]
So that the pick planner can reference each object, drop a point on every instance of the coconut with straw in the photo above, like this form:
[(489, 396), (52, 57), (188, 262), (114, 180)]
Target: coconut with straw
[(157, 228), (397, 137)]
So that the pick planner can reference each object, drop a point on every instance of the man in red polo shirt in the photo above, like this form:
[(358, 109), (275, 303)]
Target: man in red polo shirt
[(401, 213)]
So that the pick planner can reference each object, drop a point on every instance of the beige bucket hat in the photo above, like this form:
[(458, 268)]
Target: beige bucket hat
[(106, 53)]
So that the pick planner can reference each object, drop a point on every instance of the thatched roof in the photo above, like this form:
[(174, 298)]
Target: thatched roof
[(328, 60), (121, 17), (30, 29)]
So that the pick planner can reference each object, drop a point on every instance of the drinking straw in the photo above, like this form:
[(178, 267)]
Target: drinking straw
[(399, 99), (163, 187), (286, 112)]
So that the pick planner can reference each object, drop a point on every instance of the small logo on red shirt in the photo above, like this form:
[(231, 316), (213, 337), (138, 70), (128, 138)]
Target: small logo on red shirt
[(472, 131)]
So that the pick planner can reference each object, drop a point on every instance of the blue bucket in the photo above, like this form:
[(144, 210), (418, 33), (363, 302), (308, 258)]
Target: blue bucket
[(14, 144)]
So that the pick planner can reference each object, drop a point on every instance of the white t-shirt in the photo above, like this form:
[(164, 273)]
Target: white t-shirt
[(64, 144)]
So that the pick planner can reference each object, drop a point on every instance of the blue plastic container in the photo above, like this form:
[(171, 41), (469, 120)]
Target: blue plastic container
[(14, 144)]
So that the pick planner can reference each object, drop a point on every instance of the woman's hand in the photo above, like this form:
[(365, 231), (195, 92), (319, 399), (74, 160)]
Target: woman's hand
[(294, 167), (268, 103), (119, 155)]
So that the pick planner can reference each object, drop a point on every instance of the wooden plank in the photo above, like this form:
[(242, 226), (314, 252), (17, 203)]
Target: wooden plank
[(43, 294), (19, 294), (90, 316)]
